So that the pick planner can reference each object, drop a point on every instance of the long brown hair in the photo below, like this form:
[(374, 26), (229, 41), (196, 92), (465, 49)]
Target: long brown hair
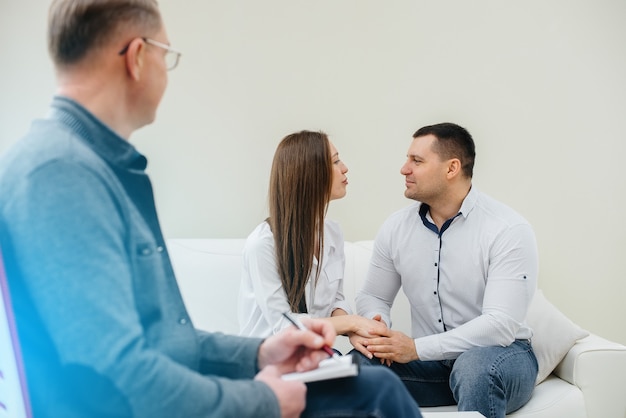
[(299, 192)]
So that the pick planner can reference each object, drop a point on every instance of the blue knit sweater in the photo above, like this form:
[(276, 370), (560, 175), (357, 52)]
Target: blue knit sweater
[(103, 327)]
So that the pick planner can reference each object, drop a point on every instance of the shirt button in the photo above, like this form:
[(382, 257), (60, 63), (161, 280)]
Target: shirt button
[(435, 292), (435, 264), (440, 320), (145, 251), (182, 321), (160, 249)]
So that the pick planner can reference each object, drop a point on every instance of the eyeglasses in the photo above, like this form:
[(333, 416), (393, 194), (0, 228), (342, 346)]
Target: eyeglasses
[(171, 56)]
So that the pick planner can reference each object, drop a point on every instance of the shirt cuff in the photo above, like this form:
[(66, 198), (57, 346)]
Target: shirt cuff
[(342, 304), (429, 348)]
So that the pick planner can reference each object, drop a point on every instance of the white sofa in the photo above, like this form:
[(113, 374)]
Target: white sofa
[(589, 382)]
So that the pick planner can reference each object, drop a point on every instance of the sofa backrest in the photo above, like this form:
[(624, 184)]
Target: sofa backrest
[(14, 400), (209, 272)]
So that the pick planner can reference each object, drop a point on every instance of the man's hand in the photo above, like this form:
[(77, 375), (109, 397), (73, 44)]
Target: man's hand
[(295, 350), (396, 346), (291, 395)]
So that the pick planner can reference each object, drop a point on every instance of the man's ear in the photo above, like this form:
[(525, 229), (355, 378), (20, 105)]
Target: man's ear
[(135, 56), (454, 168)]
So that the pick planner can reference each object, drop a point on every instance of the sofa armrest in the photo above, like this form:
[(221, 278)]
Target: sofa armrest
[(598, 367)]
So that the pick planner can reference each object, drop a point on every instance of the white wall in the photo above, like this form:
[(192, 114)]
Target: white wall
[(540, 85)]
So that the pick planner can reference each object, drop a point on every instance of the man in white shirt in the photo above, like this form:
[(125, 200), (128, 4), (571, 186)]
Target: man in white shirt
[(468, 266)]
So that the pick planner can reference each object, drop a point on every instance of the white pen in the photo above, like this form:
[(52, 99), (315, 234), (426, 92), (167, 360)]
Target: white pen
[(294, 320)]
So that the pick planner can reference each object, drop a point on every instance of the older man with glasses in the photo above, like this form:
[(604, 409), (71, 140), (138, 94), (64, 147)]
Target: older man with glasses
[(102, 325), (171, 55)]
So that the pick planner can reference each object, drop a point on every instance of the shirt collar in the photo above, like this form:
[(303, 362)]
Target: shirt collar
[(99, 137), (469, 202), (466, 207)]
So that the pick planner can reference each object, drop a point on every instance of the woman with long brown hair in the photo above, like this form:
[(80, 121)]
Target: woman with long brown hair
[(294, 260)]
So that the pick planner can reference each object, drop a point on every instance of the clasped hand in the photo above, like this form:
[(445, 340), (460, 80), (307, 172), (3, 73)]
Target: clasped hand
[(383, 343)]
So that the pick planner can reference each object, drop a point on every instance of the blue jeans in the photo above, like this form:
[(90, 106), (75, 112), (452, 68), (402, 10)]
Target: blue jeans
[(494, 381), (376, 392)]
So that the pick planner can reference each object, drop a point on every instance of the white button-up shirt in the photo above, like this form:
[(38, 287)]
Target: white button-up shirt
[(262, 299), (468, 285)]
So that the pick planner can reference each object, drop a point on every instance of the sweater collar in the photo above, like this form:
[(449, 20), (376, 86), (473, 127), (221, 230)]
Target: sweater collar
[(99, 137)]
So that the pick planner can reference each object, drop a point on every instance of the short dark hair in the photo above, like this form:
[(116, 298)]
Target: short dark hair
[(453, 141), (75, 27)]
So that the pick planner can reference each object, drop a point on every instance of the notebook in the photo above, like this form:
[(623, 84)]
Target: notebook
[(331, 368), (14, 401)]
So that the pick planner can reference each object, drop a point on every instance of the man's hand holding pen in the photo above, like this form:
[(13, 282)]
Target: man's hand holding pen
[(295, 349), (291, 350)]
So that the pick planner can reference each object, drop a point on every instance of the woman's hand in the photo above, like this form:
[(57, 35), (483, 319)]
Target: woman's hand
[(364, 330)]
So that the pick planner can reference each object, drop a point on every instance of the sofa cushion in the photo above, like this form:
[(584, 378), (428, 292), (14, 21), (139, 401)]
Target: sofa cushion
[(552, 398), (553, 334)]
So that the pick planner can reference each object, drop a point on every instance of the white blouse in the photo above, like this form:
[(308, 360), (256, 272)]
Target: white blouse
[(262, 299)]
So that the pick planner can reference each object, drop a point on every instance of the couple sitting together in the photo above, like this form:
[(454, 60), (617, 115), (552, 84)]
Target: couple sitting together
[(103, 328), (467, 264)]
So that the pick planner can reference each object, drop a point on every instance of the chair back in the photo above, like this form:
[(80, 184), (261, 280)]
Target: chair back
[(14, 401)]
